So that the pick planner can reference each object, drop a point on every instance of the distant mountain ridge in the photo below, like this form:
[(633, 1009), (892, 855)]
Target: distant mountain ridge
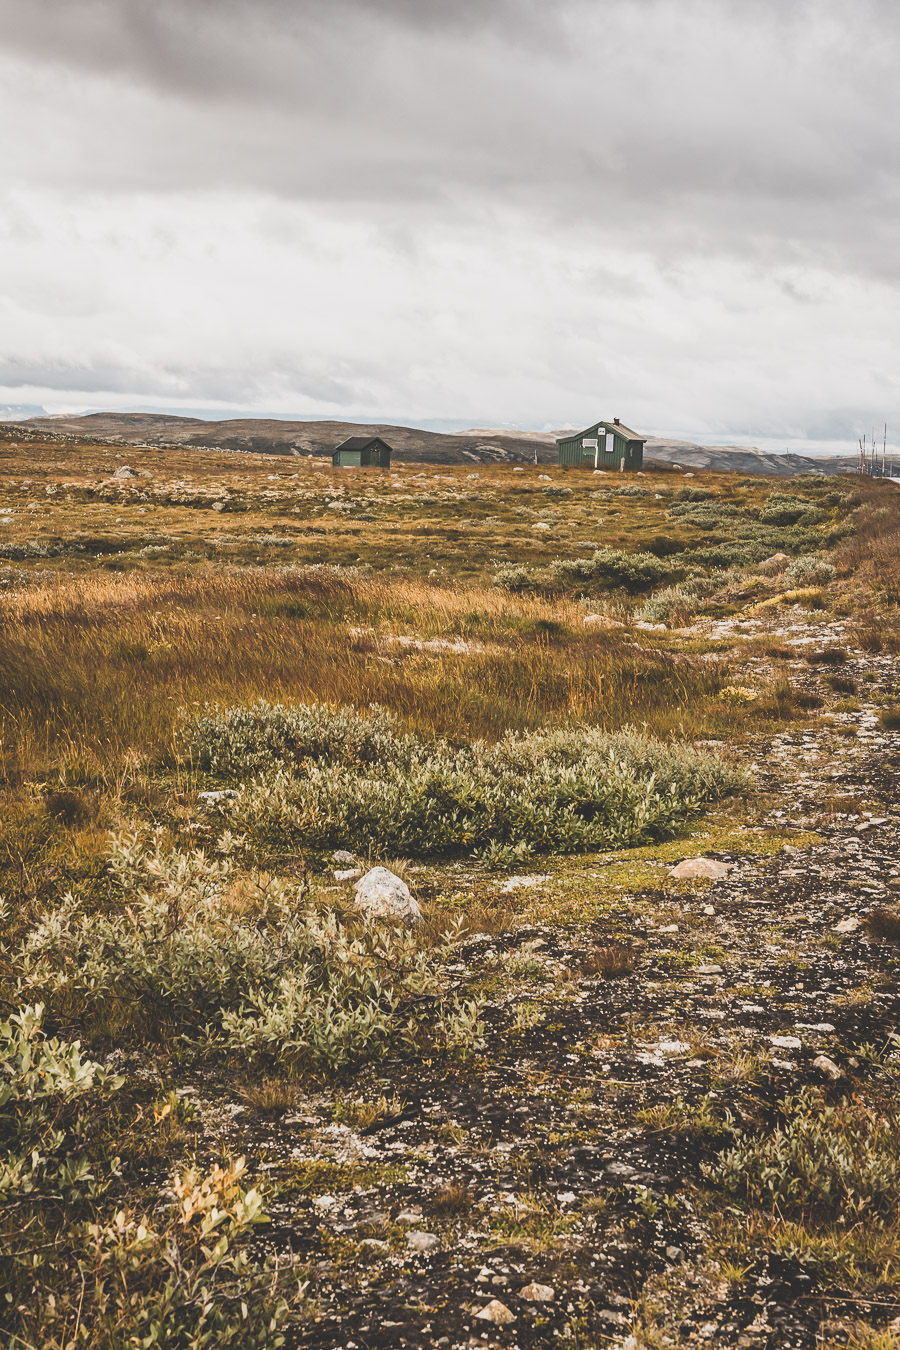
[(478, 445)]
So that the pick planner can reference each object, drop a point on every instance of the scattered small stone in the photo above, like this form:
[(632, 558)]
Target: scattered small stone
[(409, 1217), (849, 925), (418, 1241), (341, 855), (786, 1042), (692, 869), (496, 1312), (709, 970), (827, 1066), (538, 1293), (601, 621), (516, 883), (350, 874), (217, 797), (709, 910)]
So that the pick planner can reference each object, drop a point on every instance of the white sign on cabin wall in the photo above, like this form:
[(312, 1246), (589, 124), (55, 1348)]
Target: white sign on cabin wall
[(590, 443)]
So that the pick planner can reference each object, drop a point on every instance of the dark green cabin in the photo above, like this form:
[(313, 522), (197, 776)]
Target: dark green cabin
[(605, 445), (362, 452)]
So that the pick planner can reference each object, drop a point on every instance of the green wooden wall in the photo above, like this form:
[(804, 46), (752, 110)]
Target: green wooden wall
[(627, 454)]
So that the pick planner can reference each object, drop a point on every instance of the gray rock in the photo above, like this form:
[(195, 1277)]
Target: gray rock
[(382, 895), (827, 1066), (786, 1042), (409, 1217), (217, 797), (342, 856), (125, 472), (418, 1241), (350, 874)]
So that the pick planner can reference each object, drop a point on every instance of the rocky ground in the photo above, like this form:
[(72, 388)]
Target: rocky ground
[(555, 1190)]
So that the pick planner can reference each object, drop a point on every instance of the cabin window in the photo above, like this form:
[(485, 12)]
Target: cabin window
[(590, 442), (610, 442)]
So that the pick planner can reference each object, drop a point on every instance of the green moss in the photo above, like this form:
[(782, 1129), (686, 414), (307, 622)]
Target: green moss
[(324, 1176)]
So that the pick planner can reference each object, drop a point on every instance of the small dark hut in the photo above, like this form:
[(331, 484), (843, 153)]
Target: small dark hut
[(605, 445), (362, 452)]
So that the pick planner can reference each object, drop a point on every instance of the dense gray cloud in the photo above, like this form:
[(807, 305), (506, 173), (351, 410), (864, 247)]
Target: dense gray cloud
[(717, 181)]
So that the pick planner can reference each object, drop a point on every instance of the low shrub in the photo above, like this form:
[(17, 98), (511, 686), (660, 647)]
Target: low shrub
[(246, 738), (515, 579), (819, 1163), (889, 719), (72, 1256), (784, 509), (725, 555), (810, 570), (613, 567), (567, 791), (173, 959), (675, 606), (634, 571)]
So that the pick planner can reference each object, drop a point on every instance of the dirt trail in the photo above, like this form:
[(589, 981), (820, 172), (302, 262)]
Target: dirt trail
[(557, 1159)]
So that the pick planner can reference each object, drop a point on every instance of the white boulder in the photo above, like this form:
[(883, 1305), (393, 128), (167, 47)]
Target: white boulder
[(382, 895)]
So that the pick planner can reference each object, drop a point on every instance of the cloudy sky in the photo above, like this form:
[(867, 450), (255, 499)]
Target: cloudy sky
[(523, 212)]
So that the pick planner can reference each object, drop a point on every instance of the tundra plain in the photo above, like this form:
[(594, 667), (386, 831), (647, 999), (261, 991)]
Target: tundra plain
[(597, 1097)]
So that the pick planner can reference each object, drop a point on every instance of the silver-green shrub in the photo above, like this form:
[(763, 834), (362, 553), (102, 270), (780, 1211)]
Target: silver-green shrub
[(286, 983), (810, 570), (560, 791), (674, 603), (515, 579)]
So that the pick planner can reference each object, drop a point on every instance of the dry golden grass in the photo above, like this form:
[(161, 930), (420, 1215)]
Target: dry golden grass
[(95, 671)]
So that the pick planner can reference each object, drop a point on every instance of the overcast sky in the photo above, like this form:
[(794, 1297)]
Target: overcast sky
[(526, 212)]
